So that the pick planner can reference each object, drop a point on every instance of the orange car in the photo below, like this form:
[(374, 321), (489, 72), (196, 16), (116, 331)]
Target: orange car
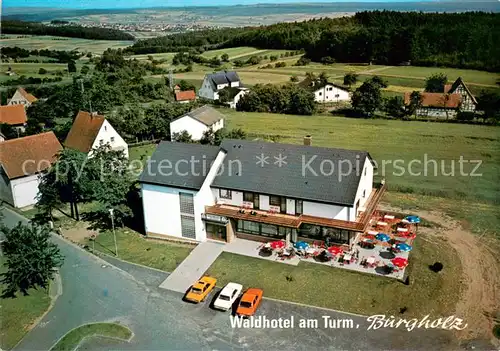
[(200, 290), (249, 302)]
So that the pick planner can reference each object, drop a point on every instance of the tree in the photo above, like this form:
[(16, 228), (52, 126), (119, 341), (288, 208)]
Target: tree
[(367, 98), (250, 102), (489, 103), (42, 71), (225, 95), (208, 137), (323, 77), (184, 85), (382, 83), (273, 58), (415, 104), (435, 83), (350, 79), (85, 69), (394, 106), (303, 61), (182, 137), (71, 67), (225, 57), (294, 79), (8, 131), (31, 258)]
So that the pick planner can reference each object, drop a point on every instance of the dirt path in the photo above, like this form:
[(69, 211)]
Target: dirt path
[(481, 274)]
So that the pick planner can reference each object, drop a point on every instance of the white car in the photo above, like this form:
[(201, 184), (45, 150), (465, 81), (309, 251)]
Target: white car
[(228, 296)]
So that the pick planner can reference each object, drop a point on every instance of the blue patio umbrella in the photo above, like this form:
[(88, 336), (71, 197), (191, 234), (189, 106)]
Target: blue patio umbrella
[(403, 247), (382, 237), (301, 245), (413, 219)]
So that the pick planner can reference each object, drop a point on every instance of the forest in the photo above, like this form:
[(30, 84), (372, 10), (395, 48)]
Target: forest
[(71, 31), (463, 40)]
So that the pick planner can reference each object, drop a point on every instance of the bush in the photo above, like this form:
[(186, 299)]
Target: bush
[(280, 64), (303, 61), (496, 331), (465, 116), (42, 71), (436, 267)]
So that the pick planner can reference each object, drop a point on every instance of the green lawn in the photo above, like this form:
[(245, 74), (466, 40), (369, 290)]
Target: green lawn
[(390, 140), (110, 330), (232, 52), (132, 247), (325, 286), (141, 153), (62, 43), (19, 313)]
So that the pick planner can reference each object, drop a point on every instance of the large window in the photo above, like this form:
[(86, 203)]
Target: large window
[(323, 233), (248, 197), (186, 203), (188, 227), (225, 194), (274, 200), (298, 207), (269, 230), (187, 215)]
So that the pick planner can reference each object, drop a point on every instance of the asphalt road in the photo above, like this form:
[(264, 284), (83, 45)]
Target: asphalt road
[(96, 291)]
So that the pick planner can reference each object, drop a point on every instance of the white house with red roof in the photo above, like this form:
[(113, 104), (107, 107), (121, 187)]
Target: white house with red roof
[(22, 163), (22, 97)]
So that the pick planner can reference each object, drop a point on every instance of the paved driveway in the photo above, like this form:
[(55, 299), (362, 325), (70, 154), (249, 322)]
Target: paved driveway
[(94, 291)]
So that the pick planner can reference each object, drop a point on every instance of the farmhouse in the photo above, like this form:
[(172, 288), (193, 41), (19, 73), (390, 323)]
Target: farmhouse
[(436, 104), (22, 162), (325, 91), (213, 83), (184, 97), (197, 122), (234, 95), (468, 101), (22, 97), (14, 115), (258, 191), (90, 130)]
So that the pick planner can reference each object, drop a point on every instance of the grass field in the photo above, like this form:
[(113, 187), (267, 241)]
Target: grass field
[(388, 141), (18, 314), (324, 286), (72, 339), (61, 43)]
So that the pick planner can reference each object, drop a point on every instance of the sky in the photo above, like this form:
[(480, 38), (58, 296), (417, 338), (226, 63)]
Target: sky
[(113, 4)]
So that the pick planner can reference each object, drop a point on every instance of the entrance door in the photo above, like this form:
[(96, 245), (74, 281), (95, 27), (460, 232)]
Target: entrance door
[(216, 232), (256, 201)]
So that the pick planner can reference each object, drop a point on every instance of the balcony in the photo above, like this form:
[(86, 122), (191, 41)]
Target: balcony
[(292, 221)]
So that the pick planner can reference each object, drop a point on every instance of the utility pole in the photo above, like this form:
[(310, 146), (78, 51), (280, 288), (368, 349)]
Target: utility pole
[(111, 213), (83, 93)]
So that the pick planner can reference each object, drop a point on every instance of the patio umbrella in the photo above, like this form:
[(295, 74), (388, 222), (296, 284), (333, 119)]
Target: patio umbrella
[(400, 262), (382, 237), (413, 219), (301, 245), (403, 247), (335, 250), (277, 244)]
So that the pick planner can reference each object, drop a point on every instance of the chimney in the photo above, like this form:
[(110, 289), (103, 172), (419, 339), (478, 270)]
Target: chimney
[(308, 140), (93, 114)]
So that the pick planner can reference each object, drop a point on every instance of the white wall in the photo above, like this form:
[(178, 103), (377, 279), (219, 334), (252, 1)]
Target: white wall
[(25, 190), (330, 93), (189, 124), (325, 210), (365, 187), (18, 98), (236, 198), (108, 134)]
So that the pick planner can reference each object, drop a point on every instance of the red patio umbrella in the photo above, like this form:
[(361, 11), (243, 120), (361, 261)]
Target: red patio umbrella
[(335, 250), (399, 262), (277, 244)]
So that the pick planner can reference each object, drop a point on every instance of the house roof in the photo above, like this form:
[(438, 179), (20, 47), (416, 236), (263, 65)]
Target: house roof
[(451, 88), (83, 132), (188, 95), (204, 114), (28, 155), (13, 114), (222, 77), (314, 85), (233, 91), (30, 97), (179, 165), (436, 100), (292, 179)]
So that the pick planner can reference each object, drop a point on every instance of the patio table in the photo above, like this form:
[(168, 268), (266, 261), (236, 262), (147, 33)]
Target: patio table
[(382, 223), (347, 257), (388, 217), (372, 232), (402, 230)]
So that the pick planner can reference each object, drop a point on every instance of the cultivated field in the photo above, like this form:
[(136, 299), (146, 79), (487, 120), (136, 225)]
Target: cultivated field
[(32, 42)]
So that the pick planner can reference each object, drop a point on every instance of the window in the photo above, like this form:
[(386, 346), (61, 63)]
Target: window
[(105, 128), (248, 197), (101, 142), (298, 207), (364, 193), (337, 95), (283, 205), (320, 93), (112, 139), (186, 203), (225, 194), (365, 170), (274, 200), (188, 227)]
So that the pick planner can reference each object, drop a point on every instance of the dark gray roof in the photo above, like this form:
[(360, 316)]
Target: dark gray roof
[(294, 179), (222, 77), (164, 167), (205, 114)]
